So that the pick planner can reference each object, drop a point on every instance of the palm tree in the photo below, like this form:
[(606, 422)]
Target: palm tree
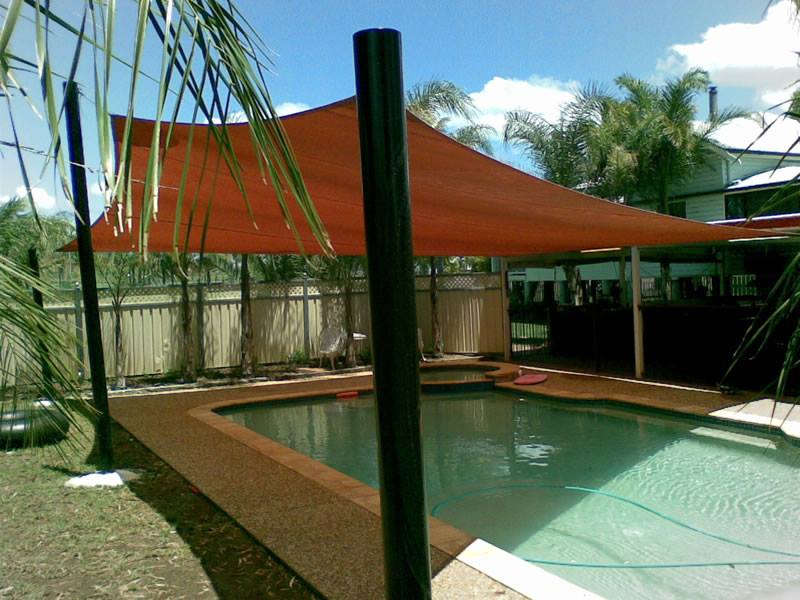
[(557, 149), (560, 150), (121, 273), (477, 136), (662, 134), (637, 147), (662, 138), (436, 102), (22, 229), (212, 62), (279, 267)]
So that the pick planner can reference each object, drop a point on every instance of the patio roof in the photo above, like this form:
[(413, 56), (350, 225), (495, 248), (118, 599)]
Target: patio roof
[(463, 202)]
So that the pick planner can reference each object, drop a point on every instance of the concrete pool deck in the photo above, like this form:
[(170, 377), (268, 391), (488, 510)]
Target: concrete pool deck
[(321, 523)]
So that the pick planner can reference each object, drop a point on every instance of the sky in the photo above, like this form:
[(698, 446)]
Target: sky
[(506, 55)]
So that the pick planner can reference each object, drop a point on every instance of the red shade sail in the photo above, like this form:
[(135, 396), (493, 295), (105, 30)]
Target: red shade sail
[(463, 203)]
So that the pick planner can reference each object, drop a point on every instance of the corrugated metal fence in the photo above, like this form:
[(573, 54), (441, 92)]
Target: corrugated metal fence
[(470, 314)]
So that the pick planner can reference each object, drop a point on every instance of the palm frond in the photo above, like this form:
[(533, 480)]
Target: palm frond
[(437, 98), (206, 54), (36, 353), (477, 136)]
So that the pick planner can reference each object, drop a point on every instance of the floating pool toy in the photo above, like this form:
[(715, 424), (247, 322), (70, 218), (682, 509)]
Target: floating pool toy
[(346, 395), (530, 379)]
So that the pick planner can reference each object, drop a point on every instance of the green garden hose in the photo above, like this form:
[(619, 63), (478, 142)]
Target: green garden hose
[(732, 564), (576, 488)]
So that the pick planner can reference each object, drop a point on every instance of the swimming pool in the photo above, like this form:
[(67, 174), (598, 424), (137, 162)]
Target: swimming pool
[(623, 491)]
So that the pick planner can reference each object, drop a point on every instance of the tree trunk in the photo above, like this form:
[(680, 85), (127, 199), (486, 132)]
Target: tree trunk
[(247, 321), (573, 277), (200, 307), (119, 350), (189, 368), (666, 281), (349, 325), (436, 328)]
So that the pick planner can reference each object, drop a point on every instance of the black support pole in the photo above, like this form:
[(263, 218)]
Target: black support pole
[(387, 217), (47, 375), (88, 278)]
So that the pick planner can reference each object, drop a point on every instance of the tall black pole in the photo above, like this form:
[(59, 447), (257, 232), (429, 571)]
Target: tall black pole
[(88, 279), (47, 375), (387, 218)]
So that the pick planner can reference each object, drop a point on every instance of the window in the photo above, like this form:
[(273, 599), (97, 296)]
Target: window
[(677, 208), (782, 200)]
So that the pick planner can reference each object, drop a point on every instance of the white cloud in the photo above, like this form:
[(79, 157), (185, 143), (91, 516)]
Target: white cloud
[(752, 55), (282, 109), (289, 108), (237, 116), (44, 201), (541, 95)]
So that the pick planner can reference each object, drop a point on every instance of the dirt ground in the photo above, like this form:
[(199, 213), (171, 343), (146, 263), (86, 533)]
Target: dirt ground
[(156, 538)]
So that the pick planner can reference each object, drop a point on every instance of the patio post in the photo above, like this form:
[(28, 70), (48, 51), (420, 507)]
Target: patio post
[(506, 320), (387, 224), (638, 335), (83, 230)]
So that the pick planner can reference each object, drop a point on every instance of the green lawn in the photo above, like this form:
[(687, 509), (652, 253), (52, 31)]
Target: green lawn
[(156, 538)]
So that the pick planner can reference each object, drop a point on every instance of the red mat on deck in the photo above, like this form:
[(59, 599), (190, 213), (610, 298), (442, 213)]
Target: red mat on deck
[(530, 379)]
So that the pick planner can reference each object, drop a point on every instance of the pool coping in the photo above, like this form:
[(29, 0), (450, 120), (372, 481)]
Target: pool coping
[(721, 414), (445, 537), (511, 572)]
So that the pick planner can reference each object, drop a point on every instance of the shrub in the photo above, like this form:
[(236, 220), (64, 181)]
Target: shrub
[(298, 357), (365, 355)]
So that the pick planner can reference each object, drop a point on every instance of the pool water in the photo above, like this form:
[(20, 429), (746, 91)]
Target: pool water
[(505, 469), (432, 375)]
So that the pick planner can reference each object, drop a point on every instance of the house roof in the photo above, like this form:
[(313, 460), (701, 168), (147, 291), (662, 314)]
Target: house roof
[(740, 134), (766, 178), (463, 202)]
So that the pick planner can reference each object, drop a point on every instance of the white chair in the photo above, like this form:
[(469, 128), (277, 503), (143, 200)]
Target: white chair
[(331, 344)]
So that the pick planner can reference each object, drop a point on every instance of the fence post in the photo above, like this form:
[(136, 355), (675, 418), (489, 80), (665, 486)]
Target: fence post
[(76, 297), (306, 320)]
